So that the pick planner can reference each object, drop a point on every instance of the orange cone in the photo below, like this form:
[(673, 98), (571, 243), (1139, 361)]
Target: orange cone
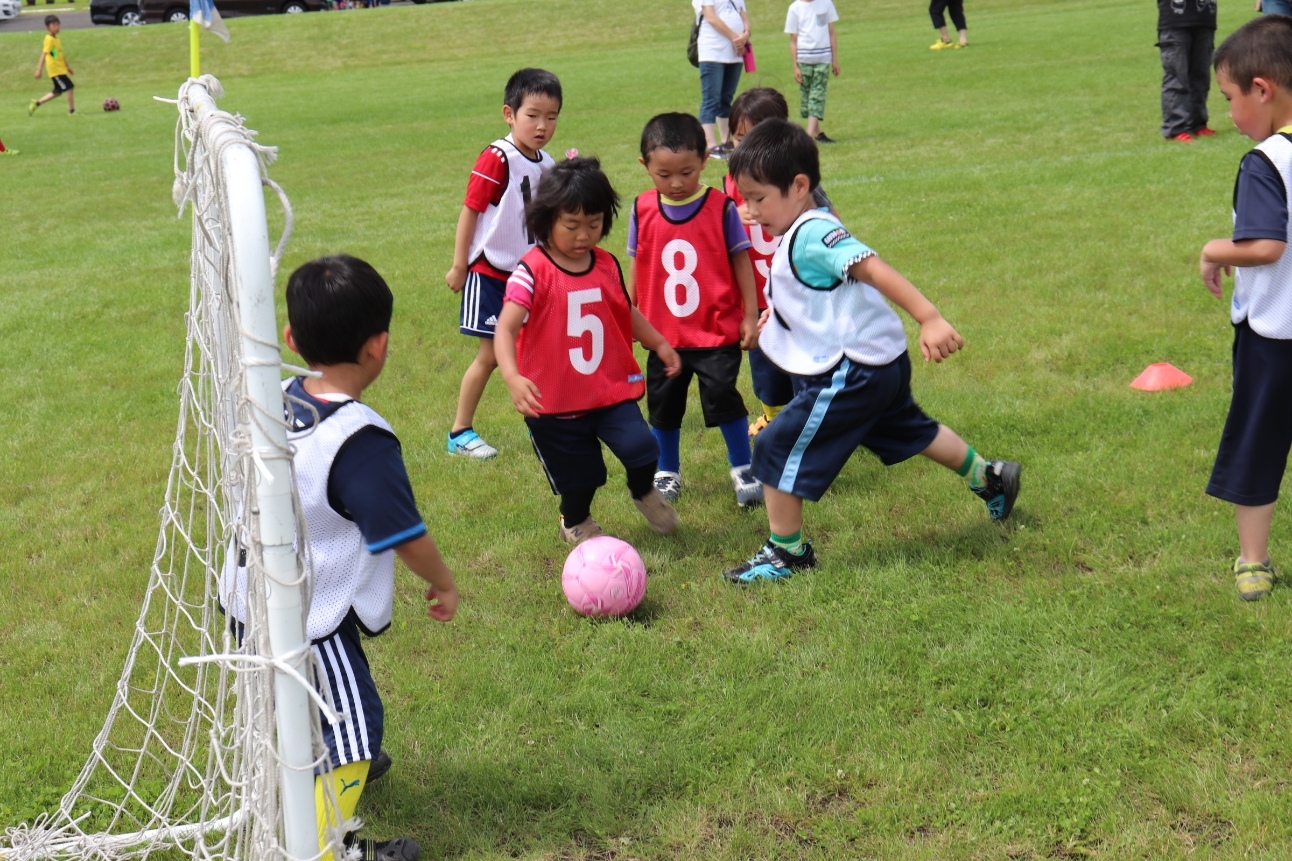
[(1160, 376)]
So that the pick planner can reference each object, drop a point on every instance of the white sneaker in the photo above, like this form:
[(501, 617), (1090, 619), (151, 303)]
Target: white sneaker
[(669, 484), (469, 444), (749, 490)]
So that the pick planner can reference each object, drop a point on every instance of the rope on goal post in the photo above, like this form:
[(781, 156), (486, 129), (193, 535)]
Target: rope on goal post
[(210, 747)]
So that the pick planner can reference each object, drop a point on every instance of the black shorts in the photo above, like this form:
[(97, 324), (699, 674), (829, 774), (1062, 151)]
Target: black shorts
[(570, 448), (1258, 433), (834, 413), (62, 84), (772, 386), (717, 369)]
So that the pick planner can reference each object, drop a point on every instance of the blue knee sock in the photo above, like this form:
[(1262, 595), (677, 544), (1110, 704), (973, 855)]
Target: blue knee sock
[(669, 441), (736, 433)]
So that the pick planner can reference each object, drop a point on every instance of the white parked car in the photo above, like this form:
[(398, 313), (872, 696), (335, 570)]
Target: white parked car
[(10, 9)]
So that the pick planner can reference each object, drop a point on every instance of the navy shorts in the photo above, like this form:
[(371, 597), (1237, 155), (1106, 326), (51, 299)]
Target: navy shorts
[(62, 83), (830, 415), (481, 305), (772, 386), (717, 369), (570, 448), (343, 670), (1258, 433)]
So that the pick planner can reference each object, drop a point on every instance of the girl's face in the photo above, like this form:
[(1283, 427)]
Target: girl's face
[(739, 132), (574, 234)]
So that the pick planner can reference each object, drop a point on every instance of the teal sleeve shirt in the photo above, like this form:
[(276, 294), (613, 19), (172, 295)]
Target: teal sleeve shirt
[(823, 251)]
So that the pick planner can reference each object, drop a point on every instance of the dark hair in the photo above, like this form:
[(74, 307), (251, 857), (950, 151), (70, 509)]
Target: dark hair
[(531, 82), (757, 104), (774, 152), (574, 185), (335, 304), (678, 132), (52, 19), (1261, 48)]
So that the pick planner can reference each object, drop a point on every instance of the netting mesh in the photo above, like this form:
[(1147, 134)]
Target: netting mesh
[(186, 764)]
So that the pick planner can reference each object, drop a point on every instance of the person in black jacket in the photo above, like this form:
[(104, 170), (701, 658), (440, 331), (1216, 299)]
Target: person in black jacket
[(1186, 33)]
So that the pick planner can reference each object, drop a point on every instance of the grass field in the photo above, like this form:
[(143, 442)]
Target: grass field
[(1080, 682)]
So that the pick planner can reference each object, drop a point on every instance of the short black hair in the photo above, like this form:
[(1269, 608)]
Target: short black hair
[(757, 104), (52, 19), (774, 152), (573, 185), (335, 304), (676, 131), (1261, 48), (531, 82)]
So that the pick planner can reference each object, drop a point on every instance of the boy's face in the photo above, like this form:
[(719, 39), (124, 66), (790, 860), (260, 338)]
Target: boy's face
[(676, 174), (534, 124), (1252, 111), (52, 28), (772, 208)]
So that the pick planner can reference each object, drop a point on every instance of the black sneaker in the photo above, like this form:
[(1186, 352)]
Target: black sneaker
[(399, 849), (825, 138), (1001, 488), (771, 563), (381, 764)]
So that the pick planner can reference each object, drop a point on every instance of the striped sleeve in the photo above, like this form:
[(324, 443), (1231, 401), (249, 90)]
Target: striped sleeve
[(488, 180), (520, 287)]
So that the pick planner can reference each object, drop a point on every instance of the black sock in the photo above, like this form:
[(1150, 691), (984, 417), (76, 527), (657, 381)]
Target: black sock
[(576, 505), (641, 480)]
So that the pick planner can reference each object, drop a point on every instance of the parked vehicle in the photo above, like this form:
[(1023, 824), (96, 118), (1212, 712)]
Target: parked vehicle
[(123, 12), (177, 10), (9, 9)]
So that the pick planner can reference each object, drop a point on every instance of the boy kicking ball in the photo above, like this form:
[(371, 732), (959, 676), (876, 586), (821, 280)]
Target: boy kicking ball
[(54, 61), (827, 324)]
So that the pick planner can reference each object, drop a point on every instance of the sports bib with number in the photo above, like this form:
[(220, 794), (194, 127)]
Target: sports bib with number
[(501, 237), (685, 285), (762, 245), (577, 343)]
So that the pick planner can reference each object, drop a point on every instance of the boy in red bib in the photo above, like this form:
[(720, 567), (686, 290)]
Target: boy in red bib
[(693, 281), (564, 344)]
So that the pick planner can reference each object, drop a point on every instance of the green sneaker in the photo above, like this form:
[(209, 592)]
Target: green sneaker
[(1253, 579), (31, 107)]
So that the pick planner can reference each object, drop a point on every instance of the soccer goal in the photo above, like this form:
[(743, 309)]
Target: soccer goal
[(211, 744)]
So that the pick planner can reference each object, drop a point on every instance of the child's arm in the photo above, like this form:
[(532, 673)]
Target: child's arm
[(834, 51), (423, 558), (1224, 254), (524, 394), (40, 64), (647, 335), (938, 339), (456, 277), (744, 272), (794, 58), (630, 280)]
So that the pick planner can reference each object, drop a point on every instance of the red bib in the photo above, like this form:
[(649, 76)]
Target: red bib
[(685, 285), (577, 344), (763, 245)]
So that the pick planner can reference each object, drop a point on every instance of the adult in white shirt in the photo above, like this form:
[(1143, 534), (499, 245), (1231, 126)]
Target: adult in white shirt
[(724, 32)]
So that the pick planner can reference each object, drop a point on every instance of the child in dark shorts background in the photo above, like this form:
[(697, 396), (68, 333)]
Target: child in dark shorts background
[(828, 324), (54, 61), (1254, 71)]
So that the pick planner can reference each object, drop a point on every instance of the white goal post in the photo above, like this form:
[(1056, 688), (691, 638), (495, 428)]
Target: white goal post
[(213, 739)]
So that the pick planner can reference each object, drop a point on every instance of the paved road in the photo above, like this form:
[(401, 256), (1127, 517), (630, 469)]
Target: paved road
[(33, 18)]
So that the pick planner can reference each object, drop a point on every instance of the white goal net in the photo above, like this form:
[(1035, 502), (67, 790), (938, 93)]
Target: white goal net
[(211, 743)]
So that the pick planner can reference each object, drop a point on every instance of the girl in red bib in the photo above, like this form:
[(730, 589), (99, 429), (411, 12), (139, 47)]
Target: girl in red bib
[(564, 344)]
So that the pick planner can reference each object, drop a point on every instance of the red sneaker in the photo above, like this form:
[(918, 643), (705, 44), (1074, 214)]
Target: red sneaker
[(1205, 132), (1183, 137)]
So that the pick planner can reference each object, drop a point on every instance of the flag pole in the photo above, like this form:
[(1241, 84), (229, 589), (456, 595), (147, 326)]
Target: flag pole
[(194, 49)]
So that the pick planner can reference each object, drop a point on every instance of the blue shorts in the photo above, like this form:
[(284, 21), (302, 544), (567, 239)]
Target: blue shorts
[(570, 448), (481, 305), (1258, 433), (772, 386), (830, 415), (343, 671)]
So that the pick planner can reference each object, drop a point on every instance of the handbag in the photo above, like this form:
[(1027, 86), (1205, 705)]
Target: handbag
[(693, 47)]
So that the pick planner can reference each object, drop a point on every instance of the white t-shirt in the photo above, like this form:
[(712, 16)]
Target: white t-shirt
[(715, 47), (810, 20)]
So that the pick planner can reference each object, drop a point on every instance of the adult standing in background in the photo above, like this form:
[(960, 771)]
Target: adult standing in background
[(724, 32), (957, 10), (1274, 7), (1186, 35)]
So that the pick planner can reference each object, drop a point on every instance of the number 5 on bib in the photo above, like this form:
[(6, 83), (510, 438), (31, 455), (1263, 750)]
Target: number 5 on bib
[(577, 323)]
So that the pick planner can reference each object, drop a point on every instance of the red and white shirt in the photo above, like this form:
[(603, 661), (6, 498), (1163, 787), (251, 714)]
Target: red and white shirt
[(577, 341), (503, 180), (686, 287), (762, 245)]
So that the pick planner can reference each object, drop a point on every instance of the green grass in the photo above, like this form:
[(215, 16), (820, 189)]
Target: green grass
[(1080, 682)]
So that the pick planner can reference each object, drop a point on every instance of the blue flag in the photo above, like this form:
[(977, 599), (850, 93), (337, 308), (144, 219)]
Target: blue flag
[(205, 13)]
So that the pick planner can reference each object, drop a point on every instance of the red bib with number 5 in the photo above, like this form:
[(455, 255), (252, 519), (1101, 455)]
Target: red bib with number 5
[(577, 343), (685, 285)]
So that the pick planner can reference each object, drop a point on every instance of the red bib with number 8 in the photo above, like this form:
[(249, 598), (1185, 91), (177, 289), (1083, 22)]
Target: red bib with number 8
[(577, 343), (685, 285)]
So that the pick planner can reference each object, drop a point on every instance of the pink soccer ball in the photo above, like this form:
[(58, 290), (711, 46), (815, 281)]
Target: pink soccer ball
[(111, 105), (604, 577)]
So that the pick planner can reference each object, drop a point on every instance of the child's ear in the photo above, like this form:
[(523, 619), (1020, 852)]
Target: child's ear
[(704, 159), (1266, 86), (643, 163), (378, 345), (802, 186), (289, 340), (508, 115)]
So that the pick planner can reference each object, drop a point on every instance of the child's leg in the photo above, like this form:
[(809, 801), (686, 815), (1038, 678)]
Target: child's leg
[(570, 454), (473, 385), (957, 10), (71, 102), (995, 482), (1254, 532), (936, 9), (666, 405), (347, 784), (626, 434), (718, 371), (482, 297)]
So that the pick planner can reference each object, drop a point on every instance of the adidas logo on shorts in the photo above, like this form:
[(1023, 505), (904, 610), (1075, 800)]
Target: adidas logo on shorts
[(492, 321)]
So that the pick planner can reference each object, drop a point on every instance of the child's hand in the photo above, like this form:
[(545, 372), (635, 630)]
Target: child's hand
[(749, 329), (834, 67), (456, 278), (798, 74), (938, 339), (525, 396), (1210, 271), (442, 604), (743, 211), (672, 361), (763, 318)]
